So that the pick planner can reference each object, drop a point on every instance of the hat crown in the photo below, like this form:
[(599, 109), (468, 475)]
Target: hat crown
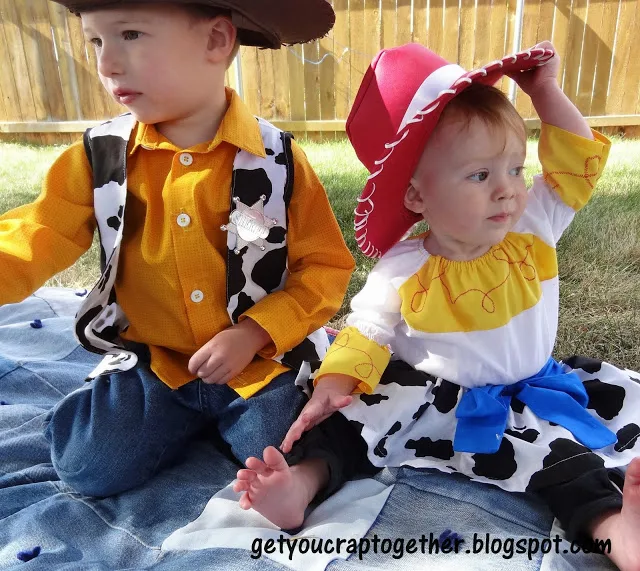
[(383, 103)]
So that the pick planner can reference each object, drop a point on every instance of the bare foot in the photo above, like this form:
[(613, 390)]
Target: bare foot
[(280, 492), (623, 527)]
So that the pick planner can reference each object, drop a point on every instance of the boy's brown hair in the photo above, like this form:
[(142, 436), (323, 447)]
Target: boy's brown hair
[(199, 12)]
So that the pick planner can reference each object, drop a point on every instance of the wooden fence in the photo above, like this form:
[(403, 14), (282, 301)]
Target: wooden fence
[(49, 91)]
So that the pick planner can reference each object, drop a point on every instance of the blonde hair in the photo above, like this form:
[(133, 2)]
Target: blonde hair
[(490, 105)]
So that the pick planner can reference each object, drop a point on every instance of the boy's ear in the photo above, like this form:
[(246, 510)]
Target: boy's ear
[(413, 200), (222, 39)]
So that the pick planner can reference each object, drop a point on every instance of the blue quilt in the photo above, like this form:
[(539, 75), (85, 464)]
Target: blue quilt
[(187, 517)]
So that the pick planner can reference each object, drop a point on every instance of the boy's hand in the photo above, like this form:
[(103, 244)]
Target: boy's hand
[(539, 78), (330, 395), (229, 352)]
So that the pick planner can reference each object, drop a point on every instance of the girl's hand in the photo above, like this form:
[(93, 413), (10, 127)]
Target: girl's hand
[(332, 393), (539, 79), (551, 104)]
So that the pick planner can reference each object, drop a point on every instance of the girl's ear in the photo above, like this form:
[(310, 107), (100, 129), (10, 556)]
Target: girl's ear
[(413, 200), (222, 39)]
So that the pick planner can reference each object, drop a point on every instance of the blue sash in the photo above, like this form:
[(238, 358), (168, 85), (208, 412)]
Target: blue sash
[(551, 394)]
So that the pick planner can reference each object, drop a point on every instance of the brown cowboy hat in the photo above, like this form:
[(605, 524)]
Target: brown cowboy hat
[(261, 23)]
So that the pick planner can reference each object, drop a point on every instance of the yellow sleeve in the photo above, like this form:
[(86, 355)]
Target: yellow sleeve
[(354, 354), (40, 239), (320, 266), (571, 164)]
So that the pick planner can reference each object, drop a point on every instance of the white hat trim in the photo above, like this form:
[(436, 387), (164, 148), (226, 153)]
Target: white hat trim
[(430, 89)]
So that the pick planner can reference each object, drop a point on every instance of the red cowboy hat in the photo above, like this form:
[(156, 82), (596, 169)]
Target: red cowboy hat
[(261, 23), (399, 102)]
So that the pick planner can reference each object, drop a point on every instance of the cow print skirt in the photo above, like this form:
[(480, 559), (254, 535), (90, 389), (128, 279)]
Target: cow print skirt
[(410, 421)]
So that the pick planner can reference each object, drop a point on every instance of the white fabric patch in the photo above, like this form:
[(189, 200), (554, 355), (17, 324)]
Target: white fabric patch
[(117, 127), (348, 514), (107, 201), (441, 79)]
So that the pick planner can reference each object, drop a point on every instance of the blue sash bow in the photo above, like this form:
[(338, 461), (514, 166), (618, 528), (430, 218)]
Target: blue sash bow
[(551, 394)]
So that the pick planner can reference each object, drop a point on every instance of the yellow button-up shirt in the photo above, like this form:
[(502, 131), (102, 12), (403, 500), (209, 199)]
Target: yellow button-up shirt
[(173, 246)]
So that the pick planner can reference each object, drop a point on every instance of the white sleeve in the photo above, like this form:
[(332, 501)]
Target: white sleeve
[(546, 215), (376, 308)]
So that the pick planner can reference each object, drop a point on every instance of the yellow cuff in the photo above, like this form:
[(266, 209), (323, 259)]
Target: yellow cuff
[(572, 164), (354, 354)]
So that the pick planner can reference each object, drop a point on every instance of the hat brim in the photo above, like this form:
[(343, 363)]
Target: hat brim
[(381, 219), (260, 23)]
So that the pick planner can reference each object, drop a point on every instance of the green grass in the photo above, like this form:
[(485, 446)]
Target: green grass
[(599, 255)]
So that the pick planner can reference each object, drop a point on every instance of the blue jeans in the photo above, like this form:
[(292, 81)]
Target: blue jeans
[(119, 430)]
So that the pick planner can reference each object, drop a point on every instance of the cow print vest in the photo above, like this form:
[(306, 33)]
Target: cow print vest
[(254, 269)]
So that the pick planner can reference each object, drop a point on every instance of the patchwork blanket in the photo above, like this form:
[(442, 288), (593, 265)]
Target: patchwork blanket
[(187, 517)]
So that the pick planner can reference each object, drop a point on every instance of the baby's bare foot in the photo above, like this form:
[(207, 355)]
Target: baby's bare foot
[(280, 492)]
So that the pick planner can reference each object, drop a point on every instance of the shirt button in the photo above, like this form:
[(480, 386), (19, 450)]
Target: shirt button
[(186, 159), (183, 220), (197, 296)]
